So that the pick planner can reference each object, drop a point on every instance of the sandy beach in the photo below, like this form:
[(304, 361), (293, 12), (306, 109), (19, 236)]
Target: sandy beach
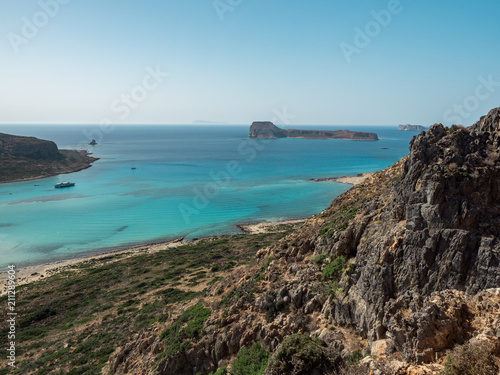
[(29, 274), (264, 227), (351, 180)]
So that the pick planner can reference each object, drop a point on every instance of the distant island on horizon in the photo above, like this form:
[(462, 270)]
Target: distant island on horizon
[(411, 128), (266, 129)]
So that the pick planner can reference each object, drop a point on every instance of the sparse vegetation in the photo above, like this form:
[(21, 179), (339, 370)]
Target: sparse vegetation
[(340, 221), (62, 313)]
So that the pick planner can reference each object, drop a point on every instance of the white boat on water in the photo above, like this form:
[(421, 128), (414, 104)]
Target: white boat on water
[(64, 184)]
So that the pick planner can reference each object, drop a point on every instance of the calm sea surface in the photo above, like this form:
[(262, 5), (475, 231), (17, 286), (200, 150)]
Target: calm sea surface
[(188, 181)]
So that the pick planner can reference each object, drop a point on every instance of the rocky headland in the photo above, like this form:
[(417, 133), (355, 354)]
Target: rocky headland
[(400, 275), (26, 158), (412, 128), (404, 266), (266, 129)]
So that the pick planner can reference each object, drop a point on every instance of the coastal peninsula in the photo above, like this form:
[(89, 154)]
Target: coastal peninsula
[(266, 129), (27, 158)]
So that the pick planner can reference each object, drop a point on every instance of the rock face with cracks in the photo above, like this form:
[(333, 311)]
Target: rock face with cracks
[(405, 265)]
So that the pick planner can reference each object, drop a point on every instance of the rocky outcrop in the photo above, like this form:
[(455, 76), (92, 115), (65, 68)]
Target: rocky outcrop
[(412, 128), (266, 129), (24, 158), (405, 265)]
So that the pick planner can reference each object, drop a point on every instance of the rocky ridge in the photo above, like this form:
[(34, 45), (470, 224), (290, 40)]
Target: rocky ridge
[(404, 266), (266, 129)]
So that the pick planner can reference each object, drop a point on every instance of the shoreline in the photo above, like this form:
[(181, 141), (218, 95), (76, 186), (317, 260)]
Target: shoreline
[(32, 273)]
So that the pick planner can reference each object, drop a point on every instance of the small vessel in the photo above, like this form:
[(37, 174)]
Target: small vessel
[(64, 184), (133, 168)]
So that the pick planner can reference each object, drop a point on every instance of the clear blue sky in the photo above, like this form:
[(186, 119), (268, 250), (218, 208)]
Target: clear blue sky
[(247, 63)]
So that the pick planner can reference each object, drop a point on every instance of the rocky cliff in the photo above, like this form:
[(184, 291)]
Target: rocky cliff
[(266, 129), (404, 266), (29, 147), (28, 158), (411, 128)]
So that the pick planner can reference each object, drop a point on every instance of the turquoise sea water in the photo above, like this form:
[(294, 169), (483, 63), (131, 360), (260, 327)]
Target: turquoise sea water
[(189, 181)]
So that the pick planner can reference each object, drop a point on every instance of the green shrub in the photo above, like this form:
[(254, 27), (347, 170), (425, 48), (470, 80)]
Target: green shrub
[(250, 361), (470, 359), (320, 259), (333, 270), (354, 358), (37, 316), (301, 355), (221, 371)]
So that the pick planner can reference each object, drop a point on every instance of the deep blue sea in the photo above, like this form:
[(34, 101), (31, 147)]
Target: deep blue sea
[(190, 181)]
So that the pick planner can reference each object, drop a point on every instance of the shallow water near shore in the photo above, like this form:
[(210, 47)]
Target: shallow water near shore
[(190, 181)]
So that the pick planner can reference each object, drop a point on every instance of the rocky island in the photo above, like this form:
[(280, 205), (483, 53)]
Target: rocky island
[(26, 158), (266, 129), (411, 128)]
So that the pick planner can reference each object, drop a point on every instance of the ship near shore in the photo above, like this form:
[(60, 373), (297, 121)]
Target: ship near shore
[(266, 129)]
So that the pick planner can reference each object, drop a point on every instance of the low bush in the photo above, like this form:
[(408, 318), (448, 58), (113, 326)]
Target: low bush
[(470, 359), (301, 355), (334, 269)]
